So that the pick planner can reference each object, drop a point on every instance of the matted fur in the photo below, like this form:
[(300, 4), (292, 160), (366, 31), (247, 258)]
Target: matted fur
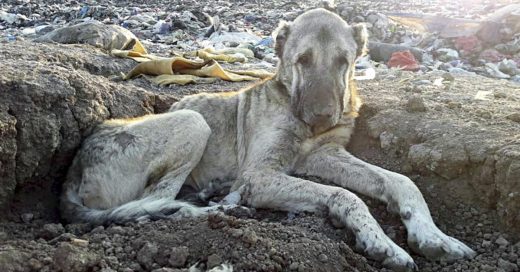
[(294, 124)]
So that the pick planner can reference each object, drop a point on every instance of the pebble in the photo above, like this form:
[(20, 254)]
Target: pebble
[(51, 231), (323, 258), (415, 104), (486, 243), (178, 256), (213, 260), (507, 266), (146, 254), (501, 241), (27, 217)]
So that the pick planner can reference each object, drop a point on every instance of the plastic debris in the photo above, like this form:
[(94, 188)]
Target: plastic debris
[(404, 60)]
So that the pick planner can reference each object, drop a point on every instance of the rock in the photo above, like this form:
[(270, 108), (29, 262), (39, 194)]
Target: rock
[(323, 258), (508, 67), (486, 243), (178, 256), (447, 54), (11, 18), (92, 32), (250, 237), (448, 77), (59, 92), (50, 231), (27, 217), (415, 104), (507, 266), (491, 55), (493, 71), (238, 37), (515, 117), (34, 264), (213, 260), (165, 269), (490, 32), (146, 255), (74, 259), (508, 49)]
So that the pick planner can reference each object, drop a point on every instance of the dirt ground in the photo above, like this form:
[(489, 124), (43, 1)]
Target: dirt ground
[(404, 114), (273, 241)]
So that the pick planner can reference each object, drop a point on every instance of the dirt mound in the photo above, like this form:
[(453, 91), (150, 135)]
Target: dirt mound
[(51, 96)]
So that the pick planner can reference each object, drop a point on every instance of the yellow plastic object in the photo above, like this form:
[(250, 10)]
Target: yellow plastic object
[(180, 70)]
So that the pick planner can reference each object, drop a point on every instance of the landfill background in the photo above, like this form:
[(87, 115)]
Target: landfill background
[(441, 87)]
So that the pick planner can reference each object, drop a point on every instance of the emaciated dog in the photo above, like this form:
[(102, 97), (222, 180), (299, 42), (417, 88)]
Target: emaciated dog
[(294, 124)]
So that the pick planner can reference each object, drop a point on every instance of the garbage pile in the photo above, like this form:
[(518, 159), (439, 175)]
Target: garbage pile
[(466, 37)]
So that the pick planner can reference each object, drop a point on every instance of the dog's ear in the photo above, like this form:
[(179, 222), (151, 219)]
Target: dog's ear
[(361, 37), (280, 35)]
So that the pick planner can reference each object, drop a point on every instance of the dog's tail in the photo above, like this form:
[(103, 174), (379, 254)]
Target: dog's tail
[(150, 207)]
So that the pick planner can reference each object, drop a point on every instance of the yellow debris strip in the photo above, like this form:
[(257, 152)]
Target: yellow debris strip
[(181, 70)]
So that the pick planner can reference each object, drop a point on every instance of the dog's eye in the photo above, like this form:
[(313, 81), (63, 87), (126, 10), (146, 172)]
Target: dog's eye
[(305, 59)]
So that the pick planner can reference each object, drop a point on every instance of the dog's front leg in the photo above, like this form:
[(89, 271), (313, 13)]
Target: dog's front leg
[(275, 190), (332, 162)]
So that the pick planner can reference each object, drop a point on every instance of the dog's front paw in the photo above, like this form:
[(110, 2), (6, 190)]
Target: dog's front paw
[(426, 239), (380, 247)]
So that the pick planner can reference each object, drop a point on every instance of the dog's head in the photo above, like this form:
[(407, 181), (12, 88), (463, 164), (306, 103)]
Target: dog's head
[(317, 54)]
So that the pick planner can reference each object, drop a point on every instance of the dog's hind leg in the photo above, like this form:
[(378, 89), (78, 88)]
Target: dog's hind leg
[(133, 169), (270, 189), (334, 163)]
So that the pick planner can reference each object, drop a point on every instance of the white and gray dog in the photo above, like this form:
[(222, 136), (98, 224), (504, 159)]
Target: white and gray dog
[(294, 124)]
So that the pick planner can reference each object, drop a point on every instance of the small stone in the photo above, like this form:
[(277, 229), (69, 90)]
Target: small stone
[(71, 258), (515, 117), (501, 241), (250, 237), (213, 260), (164, 269), (35, 264), (486, 243), (97, 229), (178, 256), (116, 230), (448, 77), (236, 233), (415, 104), (27, 217), (447, 54), (323, 258), (51, 231), (293, 266), (454, 105), (146, 255), (507, 266)]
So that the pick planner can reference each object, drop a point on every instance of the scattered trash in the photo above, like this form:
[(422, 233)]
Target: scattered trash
[(382, 52), (462, 38), (404, 60)]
